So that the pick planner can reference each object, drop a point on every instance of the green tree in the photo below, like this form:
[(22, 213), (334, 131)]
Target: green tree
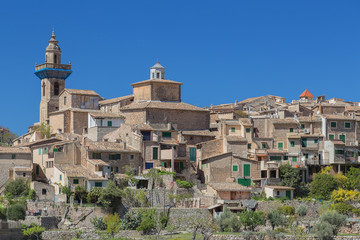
[(228, 221), (353, 179), (17, 187), (252, 219), (134, 198), (33, 232), (94, 195), (276, 218), (67, 191), (290, 177), (112, 222), (334, 218), (32, 194), (148, 220), (110, 196), (16, 212), (44, 129), (80, 194), (322, 186)]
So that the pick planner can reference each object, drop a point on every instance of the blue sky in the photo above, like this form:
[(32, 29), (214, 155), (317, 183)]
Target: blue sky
[(221, 50)]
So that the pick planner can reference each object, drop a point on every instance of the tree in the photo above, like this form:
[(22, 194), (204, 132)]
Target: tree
[(252, 219), (67, 191), (33, 232), (353, 177), (44, 129), (110, 195), (276, 219), (334, 218), (204, 225), (134, 198), (16, 212), (228, 221), (148, 220), (323, 230), (290, 177), (112, 222), (322, 186), (17, 187), (94, 195), (80, 194)]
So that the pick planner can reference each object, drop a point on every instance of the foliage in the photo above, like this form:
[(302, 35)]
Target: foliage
[(356, 211), (323, 230), (228, 221), (252, 219), (7, 138), (33, 231), (323, 209), (80, 194), (343, 208), (110, 195), (32, 194), (163, 172), (67, 191), (326, 170), (98, 223), (322, 186), (353, 176), (148, 222), (336, 219), (179, 197), (3, 212), (112, 222), (17, 187), (130, 221), (290, 177), (154, 175), (16, 212), (242, 114), (342, 195), (94, 194), (204, 225), (302, 210), (184, 184), (341, 179), (44, 129), (134, 198), (276, 218), (287, 210)]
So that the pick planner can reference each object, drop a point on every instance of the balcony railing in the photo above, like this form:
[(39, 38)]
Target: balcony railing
[(53, 65)]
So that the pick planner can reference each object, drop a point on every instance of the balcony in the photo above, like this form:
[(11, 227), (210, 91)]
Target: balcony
[(53, 65)]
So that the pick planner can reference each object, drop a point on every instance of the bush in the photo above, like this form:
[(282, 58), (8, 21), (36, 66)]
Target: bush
[(356, 211), (80, 194), (343, 208), (228, 221), (33, 232), (353, 176), (336, 219), (148, 222), (112, 223), (280, 230), (184, 184), (94, 195), (110, 195), (16, 212), (2, 213), (252, 219), (32, 195), (302, 210), (322, 186), (287, 210), (342, 195), (276, 218), (130, 221), (323, 230), (17, 187), (163, 172), (98, 223)]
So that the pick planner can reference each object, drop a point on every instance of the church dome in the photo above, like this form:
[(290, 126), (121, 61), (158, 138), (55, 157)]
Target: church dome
[(157, 65)]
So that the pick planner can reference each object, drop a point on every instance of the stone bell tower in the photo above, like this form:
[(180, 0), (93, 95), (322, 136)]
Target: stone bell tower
[(52, 75)]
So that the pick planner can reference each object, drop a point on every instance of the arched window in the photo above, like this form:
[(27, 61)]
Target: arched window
[(56, 89), (55, 58), (157, 75), (43, 89)]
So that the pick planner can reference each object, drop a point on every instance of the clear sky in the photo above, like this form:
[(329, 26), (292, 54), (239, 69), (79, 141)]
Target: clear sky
[(221, 50)]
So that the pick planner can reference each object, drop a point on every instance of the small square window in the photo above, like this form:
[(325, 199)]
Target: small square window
[(292, 143), (286, 158), (333, 124), (109, 123), (98, 184), (75, 181), (232, 129), (263, 146), (235, 168), (302, 126), (247, 130), (166, 134), (43, 191), (294, 159), (13, 156), (331, 136), (347, 125), (291, 130), (316, 140), (131, 157), (249, 145)]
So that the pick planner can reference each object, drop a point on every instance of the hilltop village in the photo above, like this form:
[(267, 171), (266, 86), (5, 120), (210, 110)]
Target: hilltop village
[(226, 154)]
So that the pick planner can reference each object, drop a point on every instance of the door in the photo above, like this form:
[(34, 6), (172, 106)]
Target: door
[(246, 170), (288, 194), (181, 166), (193, 154)]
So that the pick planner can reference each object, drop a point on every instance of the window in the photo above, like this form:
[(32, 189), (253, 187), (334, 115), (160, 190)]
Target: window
[(249, 145), (39, 151), (56, 88), (43, 191), (65, 100), (193, 154), (316, 140), (247, 130), (101, 122), (43, 88), (24, 174), (263, 146), (232, 129), (333, 124), (75, 181), (146, 135), (304, 142), (247, 170), (292, 143), (131, 157), (331, 136), (60, 177), (347, 125), (280, 145), (98, 184), (339, 151), (294, 159), (38, 170), (155, 153), (109, 123), (114, 156), (59, 190), (302, 126), (278, 193), (342, 137), (13, 156), (50, 164), (306, 155), (207, 165), (157, 75), (286, 158), (116, 169), (275, 158), (235, 168), (166, 134), (291, 130), (96, 155)]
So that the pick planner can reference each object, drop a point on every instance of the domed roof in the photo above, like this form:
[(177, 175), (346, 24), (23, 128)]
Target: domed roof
[(53, 43), (157, 65)]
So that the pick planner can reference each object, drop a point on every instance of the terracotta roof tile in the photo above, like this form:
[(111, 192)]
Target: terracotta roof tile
[(307, 94), (198, 133), (5, 149), (106, 115), (162, 105), (107, 147), (228, 186), (157, 81), (114, 100), (81, 92)]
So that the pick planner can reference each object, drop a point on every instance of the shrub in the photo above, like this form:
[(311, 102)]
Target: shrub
[(110, 195), (33, 232), (276, 218), (356, 211), (94, 194), (17, 187), (323, 230), (302, 210), (130, 221), (343, 208), (280, 230), (353, 176), (322, 186), (16, 212), (336, 219), (184, 184), (98, 223), (342, 195), (228, 221), (252, 219), (287, 210), (148, 222), (112, 223), (32, 195), (163, 172)]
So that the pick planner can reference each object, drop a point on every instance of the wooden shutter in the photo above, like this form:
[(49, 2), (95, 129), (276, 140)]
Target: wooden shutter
[(246, 170)]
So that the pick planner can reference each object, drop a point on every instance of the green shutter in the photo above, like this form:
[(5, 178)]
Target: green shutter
[(263, 146), (292, 143), (291, 130), (39, 151), (247, 130), (235, 168), (316, 140), (75, 181), (280, 145), (98, 184), (166, 134), (294, 159), (302, 126), (331, 136), (304, 142), (354, 153), (286, 157), (342, 137), (336, 151), (60, 177), (249, 145), (288, 194), (109, 123), (347, 125), (333, 124), (155, 153), (181, 165), (246, 170), (275, 158), (233, 129), (193, 154)]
